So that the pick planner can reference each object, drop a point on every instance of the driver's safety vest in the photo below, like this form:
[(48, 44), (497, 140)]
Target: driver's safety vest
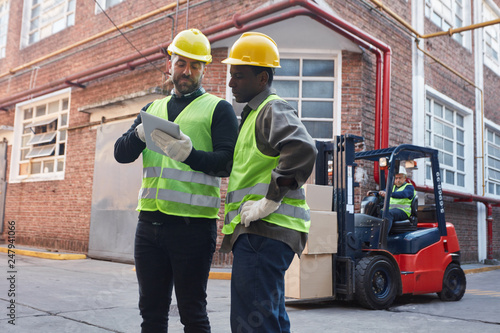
[(404, 203), (173, 187), (250, 179)]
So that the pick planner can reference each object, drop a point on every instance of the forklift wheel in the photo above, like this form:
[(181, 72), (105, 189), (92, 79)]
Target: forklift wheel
[(454, 283), (376, 282)]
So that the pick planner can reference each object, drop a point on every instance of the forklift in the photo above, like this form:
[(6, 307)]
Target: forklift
[(372, 265)]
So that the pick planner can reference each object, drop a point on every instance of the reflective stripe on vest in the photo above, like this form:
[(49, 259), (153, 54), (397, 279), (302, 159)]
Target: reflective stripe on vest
[(402, 203), (173, 187), (250, 179), (261, 189)]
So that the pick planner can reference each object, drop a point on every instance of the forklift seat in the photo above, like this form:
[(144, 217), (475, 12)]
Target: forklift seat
[(409, 224), (413, 241)]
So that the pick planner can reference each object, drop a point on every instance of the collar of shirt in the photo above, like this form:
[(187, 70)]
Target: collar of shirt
[(198, 92), (254, 103), (257, 100)]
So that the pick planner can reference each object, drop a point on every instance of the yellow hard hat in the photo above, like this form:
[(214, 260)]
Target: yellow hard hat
[(192, 44), (254, 49)]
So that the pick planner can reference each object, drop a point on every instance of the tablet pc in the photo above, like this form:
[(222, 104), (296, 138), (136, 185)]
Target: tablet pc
[(151, 122)]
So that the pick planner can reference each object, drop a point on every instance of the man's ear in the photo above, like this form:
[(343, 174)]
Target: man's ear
[(263, 78)]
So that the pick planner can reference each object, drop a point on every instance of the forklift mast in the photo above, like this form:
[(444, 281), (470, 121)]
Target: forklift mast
[(342, 153)]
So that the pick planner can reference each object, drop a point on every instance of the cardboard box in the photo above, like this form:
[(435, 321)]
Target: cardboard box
[(319, 197), (309, 277), (323, 233)]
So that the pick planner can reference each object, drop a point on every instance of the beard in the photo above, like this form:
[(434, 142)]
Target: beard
[(186, 84)]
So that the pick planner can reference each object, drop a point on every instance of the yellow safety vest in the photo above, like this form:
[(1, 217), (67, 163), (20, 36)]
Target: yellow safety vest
[(401, 203), (173, 187), (250, 178)]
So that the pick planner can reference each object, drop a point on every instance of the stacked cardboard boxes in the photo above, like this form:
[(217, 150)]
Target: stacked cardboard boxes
[(311, 275)]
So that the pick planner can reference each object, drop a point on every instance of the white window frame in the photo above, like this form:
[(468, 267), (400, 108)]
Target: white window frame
[(4, 26), (44, 18), (439, 10), (491, 127), (490, 11), (38, 145), (467, 115), (105, 4), (335, 56)]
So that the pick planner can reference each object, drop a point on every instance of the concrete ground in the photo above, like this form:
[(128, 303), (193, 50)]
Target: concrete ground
[(64, 292)]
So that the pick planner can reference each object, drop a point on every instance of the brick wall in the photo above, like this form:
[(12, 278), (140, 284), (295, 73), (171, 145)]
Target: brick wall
[(56, 214)]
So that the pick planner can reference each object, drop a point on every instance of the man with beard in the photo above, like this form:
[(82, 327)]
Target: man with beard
[(179, 199)]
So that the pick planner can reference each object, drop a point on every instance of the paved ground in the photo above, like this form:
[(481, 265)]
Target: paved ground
[(86, 295)]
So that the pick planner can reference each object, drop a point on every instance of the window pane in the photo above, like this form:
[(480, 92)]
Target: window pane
[(28, 113), (438, 127), (317, 109), (65, 103), (319, 130), (460, 164), (60, 165), (450, 177), (54, 107), (448, 115), (48, 166), (448, 146), (289, 67), (436, 19), (460, 179), (36, 167), (448, 159), (460, 150), (286, 89), (448, 131), (64, 120), (318, 68), (459, 120), (318, 89), (40, 110), (438, 110), (438, 142), (460, 135)]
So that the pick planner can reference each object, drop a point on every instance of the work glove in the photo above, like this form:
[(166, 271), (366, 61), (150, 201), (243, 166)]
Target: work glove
[(254, 210), (176, 149), (139, 132)]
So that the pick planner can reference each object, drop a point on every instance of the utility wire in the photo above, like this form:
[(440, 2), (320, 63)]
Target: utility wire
[(123, 35)]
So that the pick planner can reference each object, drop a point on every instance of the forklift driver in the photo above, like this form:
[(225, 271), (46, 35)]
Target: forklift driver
[(401, 198)]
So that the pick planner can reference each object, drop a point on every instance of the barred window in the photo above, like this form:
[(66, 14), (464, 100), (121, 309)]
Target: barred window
[(447, 14), (493, 162), (47, 17), (41, 134), (491, 38), (445, 131)]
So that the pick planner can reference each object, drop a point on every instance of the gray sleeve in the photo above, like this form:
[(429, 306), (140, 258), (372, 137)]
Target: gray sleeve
[(279, 131)]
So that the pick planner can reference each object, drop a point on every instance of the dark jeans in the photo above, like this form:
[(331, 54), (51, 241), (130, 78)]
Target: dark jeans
[(178, 254), (395, 214), (258, 285)]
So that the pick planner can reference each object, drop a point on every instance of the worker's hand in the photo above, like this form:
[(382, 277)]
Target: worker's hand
[(254, 210), (139, 132), (382, 193), (176, 149)]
